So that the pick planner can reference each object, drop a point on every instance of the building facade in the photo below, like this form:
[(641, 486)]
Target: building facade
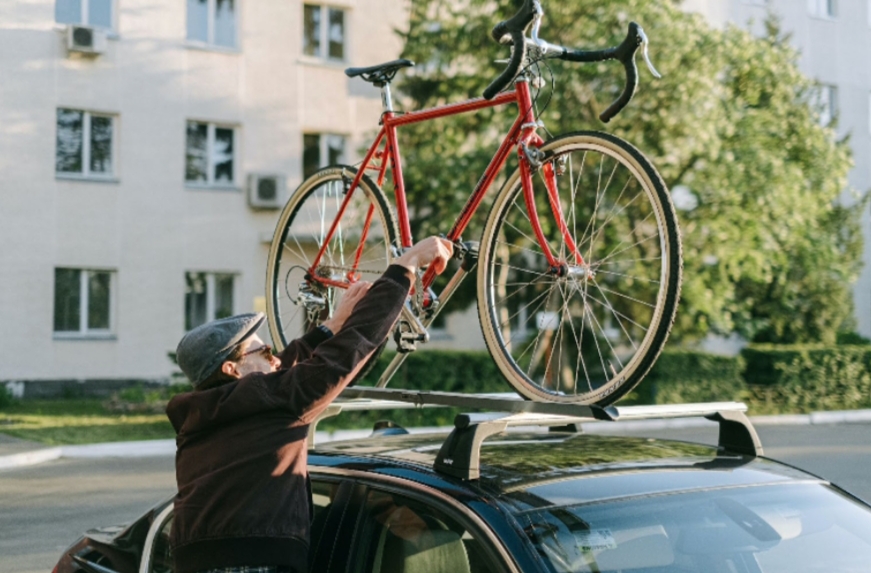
[(143, 146), (834, 38)]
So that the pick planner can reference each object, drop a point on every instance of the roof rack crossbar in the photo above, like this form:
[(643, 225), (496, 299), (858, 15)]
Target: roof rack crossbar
[(509, 402), (339, 406), (460, 454)]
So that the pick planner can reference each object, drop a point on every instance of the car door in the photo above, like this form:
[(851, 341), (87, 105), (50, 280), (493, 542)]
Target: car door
[(404, 530), (330, 497)]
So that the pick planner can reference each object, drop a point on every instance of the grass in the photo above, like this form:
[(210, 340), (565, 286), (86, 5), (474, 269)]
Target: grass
[(79, 421)]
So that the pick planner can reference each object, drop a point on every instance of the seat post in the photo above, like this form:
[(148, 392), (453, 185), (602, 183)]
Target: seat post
[(386, 97)]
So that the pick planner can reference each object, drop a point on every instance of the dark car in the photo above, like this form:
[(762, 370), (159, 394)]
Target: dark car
[(547, 501)]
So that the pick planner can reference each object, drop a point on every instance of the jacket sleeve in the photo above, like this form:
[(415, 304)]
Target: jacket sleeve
[(301, 348), (310, 385)]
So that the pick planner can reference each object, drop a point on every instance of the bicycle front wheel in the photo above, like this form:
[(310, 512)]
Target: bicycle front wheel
[(588, 330), (298, 299)]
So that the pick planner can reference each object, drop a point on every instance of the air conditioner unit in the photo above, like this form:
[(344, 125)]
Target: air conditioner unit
[(266, 191), (86, 40)]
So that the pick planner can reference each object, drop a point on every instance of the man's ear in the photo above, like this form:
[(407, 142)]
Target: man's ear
[(229, 368)]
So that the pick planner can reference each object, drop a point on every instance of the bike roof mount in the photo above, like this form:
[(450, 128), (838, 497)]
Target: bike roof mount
[(460, 453)]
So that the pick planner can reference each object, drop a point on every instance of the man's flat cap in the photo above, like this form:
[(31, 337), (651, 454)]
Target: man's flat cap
[(203, 349)]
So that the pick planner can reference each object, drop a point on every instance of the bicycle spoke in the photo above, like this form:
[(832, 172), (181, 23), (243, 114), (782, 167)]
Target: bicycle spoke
[(623, 295), (601, 272), (618, 313)]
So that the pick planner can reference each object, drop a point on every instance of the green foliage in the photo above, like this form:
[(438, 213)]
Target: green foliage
[(852, 337), (6, 398), (768, 251), (767, 364), (828, 381), (687, 376)]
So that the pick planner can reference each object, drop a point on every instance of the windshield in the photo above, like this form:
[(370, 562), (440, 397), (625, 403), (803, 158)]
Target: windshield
[(771, 528)]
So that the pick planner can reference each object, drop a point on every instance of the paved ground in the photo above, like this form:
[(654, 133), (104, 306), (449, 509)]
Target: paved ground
[(45, 507), (10, 445)]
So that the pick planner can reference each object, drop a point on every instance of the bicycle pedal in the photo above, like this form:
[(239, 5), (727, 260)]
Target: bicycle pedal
[(407, 341)]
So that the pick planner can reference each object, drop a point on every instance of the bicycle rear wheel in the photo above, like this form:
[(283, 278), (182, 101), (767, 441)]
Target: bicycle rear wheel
[(588, 332), (295, 299)]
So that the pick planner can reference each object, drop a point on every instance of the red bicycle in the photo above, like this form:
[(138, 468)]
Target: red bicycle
[(579, 263)]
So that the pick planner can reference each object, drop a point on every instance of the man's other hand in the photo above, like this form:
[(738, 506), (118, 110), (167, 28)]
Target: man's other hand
[(346, 304), (430, 251)]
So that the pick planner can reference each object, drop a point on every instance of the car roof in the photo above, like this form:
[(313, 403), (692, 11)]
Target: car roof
[(547, 468)]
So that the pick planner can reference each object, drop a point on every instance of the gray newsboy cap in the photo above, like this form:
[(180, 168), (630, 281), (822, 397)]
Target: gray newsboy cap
[(203, 349)]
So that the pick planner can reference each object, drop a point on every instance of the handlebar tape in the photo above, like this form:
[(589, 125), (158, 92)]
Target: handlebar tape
[(515, 27), (625, 53), (518, 53)]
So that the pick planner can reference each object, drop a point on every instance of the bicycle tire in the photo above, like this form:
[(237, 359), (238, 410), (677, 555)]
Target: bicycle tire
[(301, 229), (609, 320)]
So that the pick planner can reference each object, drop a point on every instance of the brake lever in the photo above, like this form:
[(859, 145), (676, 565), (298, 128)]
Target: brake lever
[(644, 53)]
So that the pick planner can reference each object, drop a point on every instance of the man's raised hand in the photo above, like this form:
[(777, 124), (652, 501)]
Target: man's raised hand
[(430, 251)]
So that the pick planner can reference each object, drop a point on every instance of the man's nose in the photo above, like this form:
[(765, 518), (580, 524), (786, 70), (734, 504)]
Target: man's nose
[(276, 361)]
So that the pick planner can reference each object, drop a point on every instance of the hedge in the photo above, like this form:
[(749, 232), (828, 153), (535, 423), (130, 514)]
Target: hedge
[(765, 362), (769, 378)]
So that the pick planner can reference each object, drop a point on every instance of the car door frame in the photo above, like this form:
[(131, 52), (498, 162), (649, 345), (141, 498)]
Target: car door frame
[(416, 490), (336, 511)]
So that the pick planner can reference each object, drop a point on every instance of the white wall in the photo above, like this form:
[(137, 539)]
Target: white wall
[(147, 225)]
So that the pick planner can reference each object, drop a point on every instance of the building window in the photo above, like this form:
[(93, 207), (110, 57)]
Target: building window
[(827, 103), (83, 301), (84, 143), (209, 155), (323, 32), (821, 8), (320, 150), (212, 22), (208, 296), (97, 13)]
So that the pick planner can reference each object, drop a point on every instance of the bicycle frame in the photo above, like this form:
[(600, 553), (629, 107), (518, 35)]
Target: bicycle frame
[(521, 135)]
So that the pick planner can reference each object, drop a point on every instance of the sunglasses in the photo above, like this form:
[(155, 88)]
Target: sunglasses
[(265, 350)]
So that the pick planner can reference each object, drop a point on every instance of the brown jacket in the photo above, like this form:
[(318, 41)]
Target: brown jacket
[(243, 495)]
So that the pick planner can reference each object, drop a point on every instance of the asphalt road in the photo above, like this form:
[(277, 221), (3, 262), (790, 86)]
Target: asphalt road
[(45, 508)]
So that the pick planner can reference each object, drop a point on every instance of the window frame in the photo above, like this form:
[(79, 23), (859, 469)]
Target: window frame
[(84, 332), (210, 182), (324, 33), (112, 30), (494, 546), (86, 173), (209, 42), (323, 150), (823, 9), (211, 294), (827, 105)]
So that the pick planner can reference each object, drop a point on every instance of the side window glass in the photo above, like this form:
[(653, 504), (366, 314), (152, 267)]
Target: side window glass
[(161, 558), (323, 496), (398, 534)]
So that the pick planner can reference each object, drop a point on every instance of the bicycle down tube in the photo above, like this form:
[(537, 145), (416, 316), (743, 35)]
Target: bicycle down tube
[(521, 134)]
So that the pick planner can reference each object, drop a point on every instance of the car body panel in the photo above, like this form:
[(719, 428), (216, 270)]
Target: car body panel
[(520, 472)]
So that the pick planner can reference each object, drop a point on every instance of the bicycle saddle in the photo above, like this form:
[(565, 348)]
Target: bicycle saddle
[(379, 74)]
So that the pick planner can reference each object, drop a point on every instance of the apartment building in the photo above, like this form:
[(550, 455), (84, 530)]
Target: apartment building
[(834, 38), (145, 146)]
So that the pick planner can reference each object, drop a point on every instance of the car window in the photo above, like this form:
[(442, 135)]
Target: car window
[(754, 529), (398, 534)]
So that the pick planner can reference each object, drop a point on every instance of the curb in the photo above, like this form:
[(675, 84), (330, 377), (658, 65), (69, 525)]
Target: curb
[(166, 448)]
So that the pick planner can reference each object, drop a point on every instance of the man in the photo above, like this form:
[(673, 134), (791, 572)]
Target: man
[(244, 501)]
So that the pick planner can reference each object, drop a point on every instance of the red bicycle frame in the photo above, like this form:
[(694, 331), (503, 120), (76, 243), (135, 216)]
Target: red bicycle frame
[(521, 135)]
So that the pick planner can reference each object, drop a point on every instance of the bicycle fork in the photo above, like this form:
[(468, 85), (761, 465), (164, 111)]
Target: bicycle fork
[(529, 161)]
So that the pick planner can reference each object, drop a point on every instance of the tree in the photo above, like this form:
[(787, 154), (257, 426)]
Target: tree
[(770, 250)]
